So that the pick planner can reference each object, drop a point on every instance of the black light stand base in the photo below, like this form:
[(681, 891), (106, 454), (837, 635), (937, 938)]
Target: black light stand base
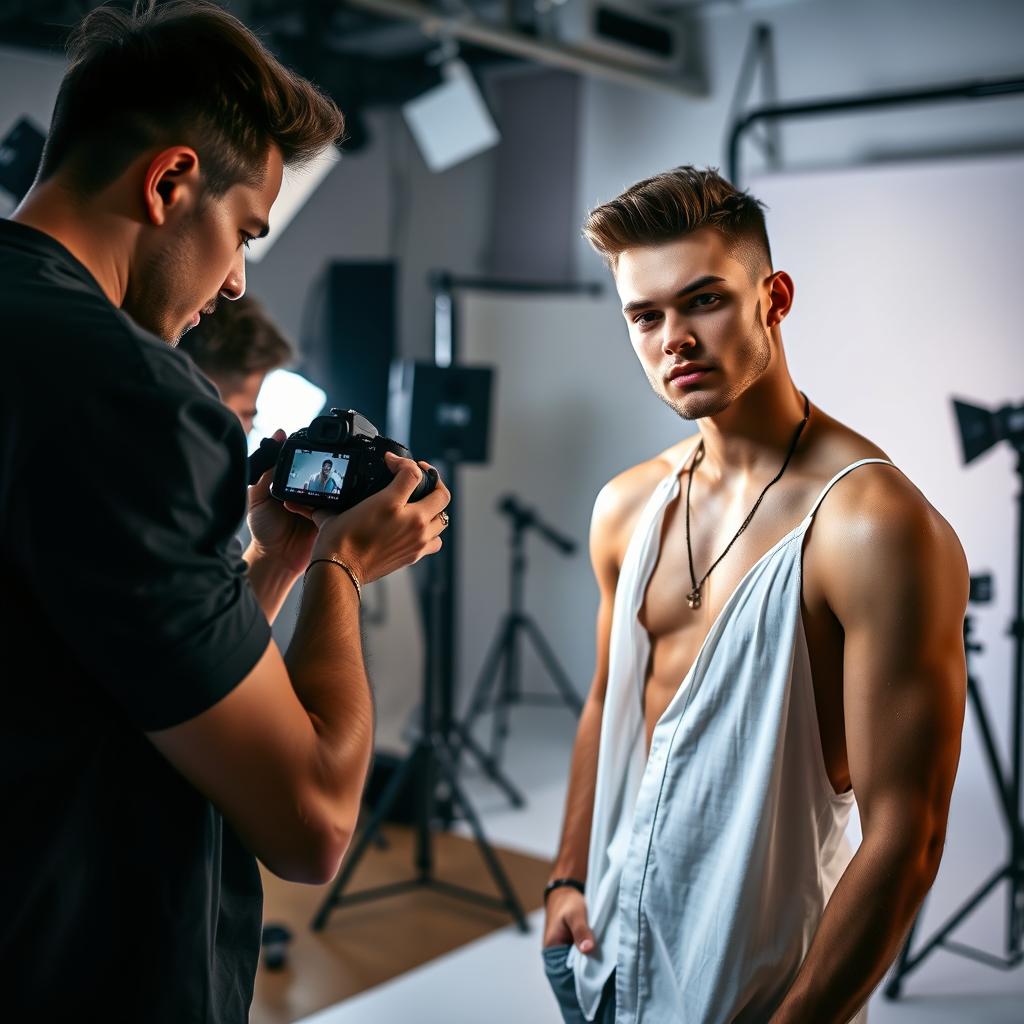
[(428, 763), (497, 687), (1008, 785)]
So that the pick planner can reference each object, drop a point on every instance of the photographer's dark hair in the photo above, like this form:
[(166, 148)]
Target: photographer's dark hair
[(181, 72), (237, 339), (673, 204)]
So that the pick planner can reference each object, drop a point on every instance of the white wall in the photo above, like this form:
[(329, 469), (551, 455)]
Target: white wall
[(825, 48)]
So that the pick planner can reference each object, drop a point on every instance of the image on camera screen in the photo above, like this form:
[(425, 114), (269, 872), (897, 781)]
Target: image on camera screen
[(317, 473)]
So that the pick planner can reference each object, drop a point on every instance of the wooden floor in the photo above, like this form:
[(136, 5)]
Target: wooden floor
[(369, 943)]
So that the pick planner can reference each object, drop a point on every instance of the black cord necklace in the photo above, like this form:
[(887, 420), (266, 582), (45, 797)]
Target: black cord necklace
[(693, 597)]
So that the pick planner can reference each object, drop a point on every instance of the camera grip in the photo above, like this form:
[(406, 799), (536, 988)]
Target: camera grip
[(264, 458), (427, 483)]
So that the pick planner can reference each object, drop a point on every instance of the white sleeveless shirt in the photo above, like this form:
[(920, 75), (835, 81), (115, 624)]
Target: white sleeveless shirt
[(713, 856)]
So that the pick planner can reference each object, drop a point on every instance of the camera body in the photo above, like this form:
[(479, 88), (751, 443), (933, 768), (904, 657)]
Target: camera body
[(333, 464)]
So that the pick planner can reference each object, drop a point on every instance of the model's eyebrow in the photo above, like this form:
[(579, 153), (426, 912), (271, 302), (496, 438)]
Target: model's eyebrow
[(693, 286), (264, 228)]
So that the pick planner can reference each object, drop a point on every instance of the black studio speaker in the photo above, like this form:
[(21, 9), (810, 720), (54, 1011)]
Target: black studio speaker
[(353, 337), (442, 412)]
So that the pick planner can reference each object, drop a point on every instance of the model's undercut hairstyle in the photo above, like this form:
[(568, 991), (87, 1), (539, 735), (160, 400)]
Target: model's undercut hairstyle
[(677, 203), (184, 72), (236, 340)]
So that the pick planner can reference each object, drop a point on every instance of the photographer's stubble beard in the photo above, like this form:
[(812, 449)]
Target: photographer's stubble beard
[(751, 357), (153, 298)]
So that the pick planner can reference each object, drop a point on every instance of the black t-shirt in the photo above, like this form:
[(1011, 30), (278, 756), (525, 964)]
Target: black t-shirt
[(124, 896)]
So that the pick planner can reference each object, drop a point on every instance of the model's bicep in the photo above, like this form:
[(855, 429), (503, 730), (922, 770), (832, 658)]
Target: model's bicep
[(898, 588)]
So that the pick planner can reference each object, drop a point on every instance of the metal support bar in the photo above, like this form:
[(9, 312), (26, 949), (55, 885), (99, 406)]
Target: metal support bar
[(974, 90), (469, 29)]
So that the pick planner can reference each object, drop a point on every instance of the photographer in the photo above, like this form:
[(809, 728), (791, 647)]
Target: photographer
[(166, 742)]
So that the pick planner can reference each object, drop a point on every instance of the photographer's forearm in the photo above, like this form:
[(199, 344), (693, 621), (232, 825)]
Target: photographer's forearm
[(325, 664), (271, 582)]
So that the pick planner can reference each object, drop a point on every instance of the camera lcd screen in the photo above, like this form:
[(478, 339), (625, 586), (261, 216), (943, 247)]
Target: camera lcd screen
[(321, 473)]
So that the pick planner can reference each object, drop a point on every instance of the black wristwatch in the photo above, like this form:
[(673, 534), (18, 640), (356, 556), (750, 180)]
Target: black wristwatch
[(562, 883)]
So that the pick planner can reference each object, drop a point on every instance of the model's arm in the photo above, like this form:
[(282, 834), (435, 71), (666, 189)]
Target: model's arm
[(566, 908), (896, 579), (284, 755)]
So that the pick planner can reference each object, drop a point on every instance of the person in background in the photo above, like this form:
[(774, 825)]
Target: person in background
[(236, 346)]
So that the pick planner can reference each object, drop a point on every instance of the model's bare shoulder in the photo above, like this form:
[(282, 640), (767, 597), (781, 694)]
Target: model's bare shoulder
[(833, 445), (622, 499), (877, 531)]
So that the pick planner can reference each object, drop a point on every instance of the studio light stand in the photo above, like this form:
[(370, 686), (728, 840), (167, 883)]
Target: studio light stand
[(443, 413), (979, 431), (498, 687), (442, 410), (429, 764)]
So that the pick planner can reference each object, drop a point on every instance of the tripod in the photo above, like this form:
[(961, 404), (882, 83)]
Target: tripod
[(503, 660), (430, 762), (1008, 788)]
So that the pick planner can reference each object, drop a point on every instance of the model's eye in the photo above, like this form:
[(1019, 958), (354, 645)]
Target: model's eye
[(246, 239), (705, 300), (646, 319)]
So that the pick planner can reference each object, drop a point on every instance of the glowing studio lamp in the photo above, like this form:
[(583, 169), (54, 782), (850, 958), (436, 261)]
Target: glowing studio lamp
[(287, 401)]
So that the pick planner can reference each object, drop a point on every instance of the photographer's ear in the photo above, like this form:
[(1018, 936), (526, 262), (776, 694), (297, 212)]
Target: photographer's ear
[(171, 184)]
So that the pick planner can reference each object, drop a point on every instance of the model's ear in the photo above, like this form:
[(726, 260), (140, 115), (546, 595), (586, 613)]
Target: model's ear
[(172, 181), (780, 297)]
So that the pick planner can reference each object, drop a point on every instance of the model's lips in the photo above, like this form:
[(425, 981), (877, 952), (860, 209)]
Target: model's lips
[(195, 320), (687, 374)]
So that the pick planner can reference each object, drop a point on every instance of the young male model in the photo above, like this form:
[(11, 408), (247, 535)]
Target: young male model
[(779, 636)]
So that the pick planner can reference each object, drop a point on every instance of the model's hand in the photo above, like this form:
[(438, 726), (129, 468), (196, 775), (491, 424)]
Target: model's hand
[(279, 534), (566, 921), (384, 532)]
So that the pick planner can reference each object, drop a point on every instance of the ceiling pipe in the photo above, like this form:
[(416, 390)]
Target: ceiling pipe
[(469, 29)]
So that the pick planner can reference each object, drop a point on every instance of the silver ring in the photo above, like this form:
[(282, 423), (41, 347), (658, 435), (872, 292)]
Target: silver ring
[(443, 516)]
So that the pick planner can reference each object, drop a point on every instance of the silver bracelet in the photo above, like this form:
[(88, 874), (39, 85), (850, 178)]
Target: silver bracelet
[(348, 569)]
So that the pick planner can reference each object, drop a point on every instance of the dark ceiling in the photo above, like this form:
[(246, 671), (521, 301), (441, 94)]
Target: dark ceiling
[(360, 59)]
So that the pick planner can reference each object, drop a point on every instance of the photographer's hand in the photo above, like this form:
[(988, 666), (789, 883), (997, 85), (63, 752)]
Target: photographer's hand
[(384, 532), (277, 533), (281, 547)]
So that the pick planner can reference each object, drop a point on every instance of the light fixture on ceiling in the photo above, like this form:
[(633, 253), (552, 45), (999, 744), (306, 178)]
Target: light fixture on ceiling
[(451, 122)]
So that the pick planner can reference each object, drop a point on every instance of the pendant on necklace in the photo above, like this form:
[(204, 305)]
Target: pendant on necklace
[(693, 598)]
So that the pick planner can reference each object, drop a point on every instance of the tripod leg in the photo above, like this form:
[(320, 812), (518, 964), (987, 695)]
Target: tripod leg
[(894, 986), (995, 764), (910, 963), (490, 767), (490, 858), (507, 695), (486, 677), (426, 781), (380, 812), (558, 675)]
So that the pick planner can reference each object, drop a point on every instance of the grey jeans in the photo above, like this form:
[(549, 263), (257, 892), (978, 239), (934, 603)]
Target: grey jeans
[(563, 984)]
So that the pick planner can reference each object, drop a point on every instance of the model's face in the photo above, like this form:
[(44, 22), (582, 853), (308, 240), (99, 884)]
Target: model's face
[(325, 469), (198, 255), (696, 319)]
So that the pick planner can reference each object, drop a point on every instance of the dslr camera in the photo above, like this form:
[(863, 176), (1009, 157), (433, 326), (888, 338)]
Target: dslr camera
[(333, 464)]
